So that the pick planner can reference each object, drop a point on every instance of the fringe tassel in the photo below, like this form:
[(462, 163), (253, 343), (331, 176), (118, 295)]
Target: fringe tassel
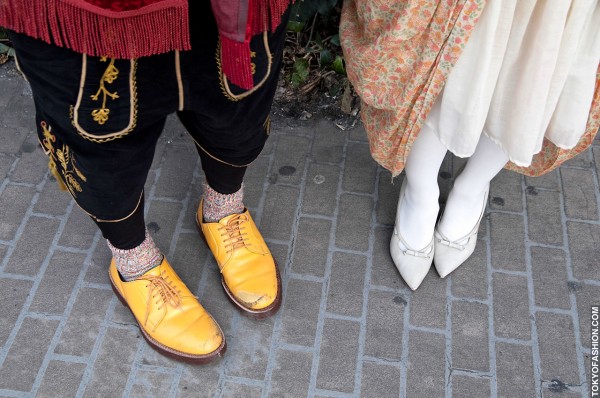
[(98, 32), (236, 63), (266, 14)]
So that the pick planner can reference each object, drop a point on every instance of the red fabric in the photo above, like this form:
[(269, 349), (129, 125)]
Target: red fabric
[(121, 5)]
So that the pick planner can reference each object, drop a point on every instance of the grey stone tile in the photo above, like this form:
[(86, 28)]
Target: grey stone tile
[(584, 245), (300, 312), (470, 387), (379, 381), (97, 271), (320, 191), (579, 193), (470, 279), (426, 365), (354, 222), (514, 370), (549, 272), (360, 169), (57, 284), (14, 201), (546, 181), (559, 391), (195, 189), (290, 159), (511, 307), (25, 356), (279, 212), (32, 165), (151, 384), (558, 353), (543, 217), (339, 350), (587, 296), (235, 390), (291, 374), (385, 324), (6, 163), (61, 379), (383, 270), (83, 323), (506, 192), (428, 303), (199, 381), (328, 143), (387, 201), (161, 221), (13, 294), (176, 171), (346, 284), (248, 349), (79, 231), (470, 336), (13, 138), (582, 160), (311, 246), (358, 133), (189, 259), (254, 181), (33, 246), (507, 242), (114, 363)]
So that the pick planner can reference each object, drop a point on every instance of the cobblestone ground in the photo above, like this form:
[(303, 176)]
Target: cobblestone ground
[(514, 321)]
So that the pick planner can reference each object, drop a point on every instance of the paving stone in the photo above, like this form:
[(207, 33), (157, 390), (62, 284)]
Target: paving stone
[(21, 366), (379, 381), (279, 212), (32, 165), (311, 246), (328, 143), (587, 296), (61, 376), (579, 193), (189, 259), (199, 381), (320, 191), (254, 181), (14, 201), (354, 221), (83, 322), (511, 307), (339, 350), (57, 283), (387, 201), (214, 300), (582, 160), (13, 294), (546, 181), (470, 280), (189, 219), (114, 363), (426, 365), (97, 271), (550, 279), (556, 339), (161, 221), (12, 138), (151, 384), (470, 336), (507, 242), (38, 233), (584, 245), (291, 374), (428, 303), (176, 171), (360, 169), (248, 349), (290, 159), (383, 270), (236, 390), (300, 312), (385, 323), (469, 387), (6, 164), (560, 392), (506, 192), (514, 369), (544, 220), (79, 232), (346, 284)]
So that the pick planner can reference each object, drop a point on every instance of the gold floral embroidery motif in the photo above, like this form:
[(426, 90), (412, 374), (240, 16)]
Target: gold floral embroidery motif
[(72, 175), (110, 75)]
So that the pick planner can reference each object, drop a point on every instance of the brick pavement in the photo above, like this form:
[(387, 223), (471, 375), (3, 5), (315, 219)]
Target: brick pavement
[(514, 321)]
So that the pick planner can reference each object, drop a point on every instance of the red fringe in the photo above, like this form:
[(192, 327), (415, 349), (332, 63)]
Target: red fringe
[(89, 29), (236, 63)]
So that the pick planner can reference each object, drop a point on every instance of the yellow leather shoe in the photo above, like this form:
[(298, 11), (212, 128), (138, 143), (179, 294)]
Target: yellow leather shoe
[(249, 273), (169, 315)]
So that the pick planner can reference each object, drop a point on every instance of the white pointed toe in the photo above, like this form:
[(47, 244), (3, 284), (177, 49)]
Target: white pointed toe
[(449, 255), (413, 265)]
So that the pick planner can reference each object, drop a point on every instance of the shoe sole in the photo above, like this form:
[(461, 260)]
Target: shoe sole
[(262, 313), (170, 352)]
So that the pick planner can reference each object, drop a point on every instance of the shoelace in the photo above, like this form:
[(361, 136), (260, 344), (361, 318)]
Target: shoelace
[(234, 230), (162, 292)]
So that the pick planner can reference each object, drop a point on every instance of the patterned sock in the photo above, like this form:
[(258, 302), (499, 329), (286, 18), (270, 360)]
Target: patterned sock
[(135, 262), (218, 205)]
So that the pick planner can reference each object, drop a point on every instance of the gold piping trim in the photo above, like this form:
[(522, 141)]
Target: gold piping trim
[(133, 107), (216, 158), (223, 79), (179, 80)]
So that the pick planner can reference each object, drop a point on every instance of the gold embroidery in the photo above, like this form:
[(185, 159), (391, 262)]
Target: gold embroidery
[(71, 175), (110, 75)]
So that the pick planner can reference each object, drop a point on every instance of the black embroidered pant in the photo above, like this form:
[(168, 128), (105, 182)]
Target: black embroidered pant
[(99, 119)]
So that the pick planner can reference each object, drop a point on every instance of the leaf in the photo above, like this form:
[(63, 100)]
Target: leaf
[(295, 26), (301, 70), (325, 57), (335, 40), (338, 65), (9, 51)]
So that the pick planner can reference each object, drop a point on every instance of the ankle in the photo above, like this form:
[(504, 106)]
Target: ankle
[(217, 205), (133, 263)]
